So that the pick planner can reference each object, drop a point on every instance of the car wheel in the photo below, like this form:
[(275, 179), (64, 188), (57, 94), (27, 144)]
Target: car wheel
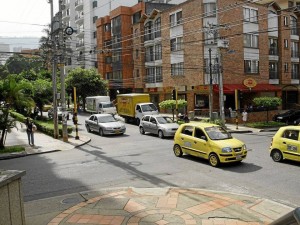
[(276, 156), (101, 132), (138, 121), (177, 150), (214, 160), (160, 134), (88, 128), (142, 131)]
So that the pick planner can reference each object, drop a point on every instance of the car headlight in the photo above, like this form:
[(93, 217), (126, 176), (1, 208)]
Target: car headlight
[(227, 149), (244, 147), (279, 117)]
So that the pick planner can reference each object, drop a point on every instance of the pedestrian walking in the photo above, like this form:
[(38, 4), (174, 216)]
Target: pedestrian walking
[(244, 116), (30, 128)]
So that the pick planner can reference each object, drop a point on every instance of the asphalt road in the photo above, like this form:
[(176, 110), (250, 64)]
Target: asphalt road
[(147, 161)]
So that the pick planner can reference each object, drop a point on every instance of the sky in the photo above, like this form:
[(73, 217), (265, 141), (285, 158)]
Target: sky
[(24, 18)]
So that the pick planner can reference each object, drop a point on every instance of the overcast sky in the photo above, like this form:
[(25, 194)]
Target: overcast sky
[(24, 17)]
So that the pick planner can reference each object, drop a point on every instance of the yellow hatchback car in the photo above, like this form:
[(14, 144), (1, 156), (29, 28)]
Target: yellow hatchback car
[(208, 141), (285, 144)]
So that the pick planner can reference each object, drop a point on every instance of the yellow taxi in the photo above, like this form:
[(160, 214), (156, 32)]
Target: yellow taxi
[(208, 141), (285, 144)]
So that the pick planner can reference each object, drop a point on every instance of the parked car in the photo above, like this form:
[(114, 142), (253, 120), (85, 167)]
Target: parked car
[(208, 141), (288, 117), (59, 113), (163, 126), (104, 124), (285, 144)]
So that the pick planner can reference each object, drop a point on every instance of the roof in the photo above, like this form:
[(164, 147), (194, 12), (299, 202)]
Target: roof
[(201, 124)]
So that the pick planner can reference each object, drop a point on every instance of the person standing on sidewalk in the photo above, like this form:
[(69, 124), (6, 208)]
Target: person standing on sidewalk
[(29, 130), (244, 116)]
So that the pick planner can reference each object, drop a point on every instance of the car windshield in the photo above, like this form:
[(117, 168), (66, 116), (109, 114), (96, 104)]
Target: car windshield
[(164, 120), (107, 105), (106, 119), (217, 133), (149, 108)]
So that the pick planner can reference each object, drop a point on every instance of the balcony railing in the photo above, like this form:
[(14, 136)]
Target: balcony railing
[(295, 75), (295, 53), (273, 51), (273, 75)]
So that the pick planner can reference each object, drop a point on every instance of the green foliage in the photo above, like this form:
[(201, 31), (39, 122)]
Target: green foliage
[(267, 101), (87, 82), (12, 149), (42, 93), (265, 124), (171, 104)]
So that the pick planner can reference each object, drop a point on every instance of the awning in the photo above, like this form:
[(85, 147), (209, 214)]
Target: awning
[(230, 88)]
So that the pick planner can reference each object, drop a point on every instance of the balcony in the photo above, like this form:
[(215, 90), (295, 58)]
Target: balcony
[(79, 18), (66, 16), (273, 75), (80, 33), (79, 46), (79, 5), (273, 51)]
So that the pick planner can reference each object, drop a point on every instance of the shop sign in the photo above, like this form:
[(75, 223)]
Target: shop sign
[(250, 82)]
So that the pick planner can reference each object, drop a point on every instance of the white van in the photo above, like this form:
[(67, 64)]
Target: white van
[(100, 104)]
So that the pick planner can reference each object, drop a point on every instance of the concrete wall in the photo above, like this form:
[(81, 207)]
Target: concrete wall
[(11, 198)]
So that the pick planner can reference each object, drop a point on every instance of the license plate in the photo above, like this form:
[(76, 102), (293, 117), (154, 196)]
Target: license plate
[(238, 156), (117, 131)]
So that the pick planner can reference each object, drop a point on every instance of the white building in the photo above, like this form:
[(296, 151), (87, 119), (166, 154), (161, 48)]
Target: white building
[(4, 53)]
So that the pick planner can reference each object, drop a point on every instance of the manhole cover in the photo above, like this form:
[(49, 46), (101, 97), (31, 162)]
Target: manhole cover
[(71, 201)]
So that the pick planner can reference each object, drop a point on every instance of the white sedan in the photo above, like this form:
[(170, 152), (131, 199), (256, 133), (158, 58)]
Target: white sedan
[(104, 124)]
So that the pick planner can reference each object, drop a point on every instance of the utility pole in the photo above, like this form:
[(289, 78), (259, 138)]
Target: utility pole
[(62, 76), (210, 87), (54, 68), (221, 92)]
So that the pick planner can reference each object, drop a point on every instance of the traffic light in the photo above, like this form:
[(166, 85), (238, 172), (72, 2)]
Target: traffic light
[(174, 94)]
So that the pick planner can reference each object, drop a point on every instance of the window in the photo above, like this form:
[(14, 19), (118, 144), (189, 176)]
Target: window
[(108, 60), (273, 46), (107, 27), (295, 49), (136, 17), (107, 44), (250, 15), (116, 25), (251, 66), (176, 44), (187, 130), (158, 52), (148, 31), (285, 21), (286, 67), (149, 54), (95, 18), (157, 28), (273, 70), (199, 133), (290, 4), (137, 73), (176, 19), (295, 71), (158, 74), (136, 53), (117, 75), (291, 134), (95, 34), (150, 74), (116, 56), (210, 9), (286, 43), (250, 41), (108, 76), (95, 4), (177, 69), (293, 25)]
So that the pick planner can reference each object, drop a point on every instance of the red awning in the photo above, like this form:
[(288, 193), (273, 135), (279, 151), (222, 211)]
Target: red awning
[(230, 88)]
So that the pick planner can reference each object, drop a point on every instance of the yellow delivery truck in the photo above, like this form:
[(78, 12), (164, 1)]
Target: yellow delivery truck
[(132, 107)]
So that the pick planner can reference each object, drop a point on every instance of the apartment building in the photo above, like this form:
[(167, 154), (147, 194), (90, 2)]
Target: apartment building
[(252, 46), (81, 15)]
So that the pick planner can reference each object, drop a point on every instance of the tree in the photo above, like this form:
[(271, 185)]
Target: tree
[(267, 102), (16, 64), (87, 82), (42, 93), (171, 104), (6, 123)]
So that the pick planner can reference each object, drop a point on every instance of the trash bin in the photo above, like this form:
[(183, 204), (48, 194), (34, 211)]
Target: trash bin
[(233, 114), (215, 115)]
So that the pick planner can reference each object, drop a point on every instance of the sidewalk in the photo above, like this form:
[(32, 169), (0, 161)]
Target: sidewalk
[(157, 206), (43, 143)]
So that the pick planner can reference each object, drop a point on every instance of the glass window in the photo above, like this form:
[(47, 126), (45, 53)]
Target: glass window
[(177, 69), (95, 4), (250, 41), (176, 44), (107, 27), (210, 9), (176, 19), (136, 17), (148, 31), (286, 67), (273, 70), (250, 15), (295, 49), (273, 46), (295, 71), (293, 26), (158, 52), (187, 130), (157, 28), (199, 133), (251, 66)]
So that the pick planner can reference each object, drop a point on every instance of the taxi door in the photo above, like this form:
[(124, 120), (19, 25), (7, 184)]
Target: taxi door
[(199, 143), (291, 145)]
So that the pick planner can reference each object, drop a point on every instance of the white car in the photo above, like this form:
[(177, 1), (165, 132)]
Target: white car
[(104, 124), (59, 113)]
